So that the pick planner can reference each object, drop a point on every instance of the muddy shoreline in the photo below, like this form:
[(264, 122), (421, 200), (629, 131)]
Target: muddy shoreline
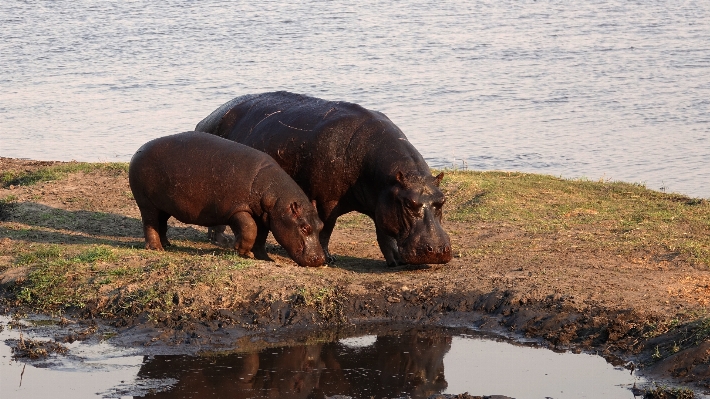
[(590, 283)]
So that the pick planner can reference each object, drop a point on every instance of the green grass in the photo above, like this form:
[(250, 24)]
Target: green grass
[(56, 172), (620, 216), (51, 282), (61, 277)]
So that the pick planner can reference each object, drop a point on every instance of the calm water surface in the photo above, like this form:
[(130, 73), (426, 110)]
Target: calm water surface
[(412, 363), (598, 89)]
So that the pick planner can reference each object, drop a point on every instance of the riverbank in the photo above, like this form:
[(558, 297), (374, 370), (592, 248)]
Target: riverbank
[(582, 265)]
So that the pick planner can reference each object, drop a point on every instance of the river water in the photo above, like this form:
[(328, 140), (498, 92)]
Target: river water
[(596, 89)]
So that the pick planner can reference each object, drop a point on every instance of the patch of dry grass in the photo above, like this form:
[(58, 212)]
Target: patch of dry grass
[(614, 216)]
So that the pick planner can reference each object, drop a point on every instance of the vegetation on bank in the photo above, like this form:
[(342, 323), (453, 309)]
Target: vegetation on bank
[(56, 171), (601, 215), (114, 276)]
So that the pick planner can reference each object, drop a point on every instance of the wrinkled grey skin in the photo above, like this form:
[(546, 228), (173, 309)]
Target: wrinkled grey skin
[(206, 180), (346, 158)]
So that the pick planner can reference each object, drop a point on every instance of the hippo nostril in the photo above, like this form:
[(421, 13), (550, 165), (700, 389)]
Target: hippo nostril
[(429, 248), (446, 249)]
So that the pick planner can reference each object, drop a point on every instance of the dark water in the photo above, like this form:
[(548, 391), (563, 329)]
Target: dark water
[(412, 362), (598, 89)]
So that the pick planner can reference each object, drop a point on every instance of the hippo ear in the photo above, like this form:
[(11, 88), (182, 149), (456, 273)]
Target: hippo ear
[(314, 204), (295, 210), (438, 178), (400, 178)]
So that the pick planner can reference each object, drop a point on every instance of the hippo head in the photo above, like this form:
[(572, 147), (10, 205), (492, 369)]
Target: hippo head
[(408, 220), (296, 227)]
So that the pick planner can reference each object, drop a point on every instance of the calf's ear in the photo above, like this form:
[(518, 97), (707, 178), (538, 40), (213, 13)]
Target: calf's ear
[(438, 178), (399, 176), (295, 210)]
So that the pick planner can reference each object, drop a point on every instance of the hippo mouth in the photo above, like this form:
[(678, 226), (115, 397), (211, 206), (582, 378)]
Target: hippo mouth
[(425, 254), (307, 258), (312, 261)]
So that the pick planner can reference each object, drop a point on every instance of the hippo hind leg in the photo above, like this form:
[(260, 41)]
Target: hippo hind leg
[(245, 232), (151, 227), (163, 228)]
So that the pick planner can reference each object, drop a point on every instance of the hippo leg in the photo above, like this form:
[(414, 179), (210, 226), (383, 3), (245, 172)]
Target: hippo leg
[(329, 216), (259, 248), (163, 228), (151, 227), (216, 236), (388, 246), (245, 231)]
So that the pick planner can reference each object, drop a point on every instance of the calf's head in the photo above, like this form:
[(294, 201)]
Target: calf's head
[(296, 227), (409, 211)]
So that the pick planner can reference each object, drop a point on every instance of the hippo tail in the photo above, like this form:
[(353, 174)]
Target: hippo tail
[(213, 121)]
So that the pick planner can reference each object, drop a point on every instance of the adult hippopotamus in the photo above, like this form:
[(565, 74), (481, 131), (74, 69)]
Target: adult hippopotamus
[(206, 180), (346, 158)]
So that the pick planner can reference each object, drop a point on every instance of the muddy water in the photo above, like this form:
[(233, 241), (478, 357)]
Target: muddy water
[(599, 89), (393, 363)]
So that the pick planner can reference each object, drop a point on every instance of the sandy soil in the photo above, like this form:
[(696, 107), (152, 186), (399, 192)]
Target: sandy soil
[(549, 287)]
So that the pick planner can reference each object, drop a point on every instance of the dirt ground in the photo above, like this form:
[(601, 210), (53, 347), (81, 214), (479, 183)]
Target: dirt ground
[(648, 307)]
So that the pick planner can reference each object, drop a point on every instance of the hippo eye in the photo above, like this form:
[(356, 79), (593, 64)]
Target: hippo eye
[(413, 206), (306, 229)]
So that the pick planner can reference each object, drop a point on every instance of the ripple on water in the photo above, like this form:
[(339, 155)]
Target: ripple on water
[(599, 89)]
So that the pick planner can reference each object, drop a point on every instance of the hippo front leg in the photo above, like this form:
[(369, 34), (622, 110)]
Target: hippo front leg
[(216, 236), (328, 213), (388, 246), (259, 248), (245, 232)]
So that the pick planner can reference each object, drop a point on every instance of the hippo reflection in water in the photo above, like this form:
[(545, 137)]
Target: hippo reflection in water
[(346, 158), (410, 362)]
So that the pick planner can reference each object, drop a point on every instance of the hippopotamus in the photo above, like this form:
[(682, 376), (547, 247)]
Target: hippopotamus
[(346, 158), (206, 180)]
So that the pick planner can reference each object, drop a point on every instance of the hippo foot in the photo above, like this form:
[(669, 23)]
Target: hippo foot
[(222, 240), (261, 255), (154, 247)]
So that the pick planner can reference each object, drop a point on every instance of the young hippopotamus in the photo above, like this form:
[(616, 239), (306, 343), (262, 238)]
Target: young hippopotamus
[(203, 179), (347, 158)]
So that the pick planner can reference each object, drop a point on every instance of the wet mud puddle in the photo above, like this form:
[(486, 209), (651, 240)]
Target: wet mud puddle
[(413, 363)]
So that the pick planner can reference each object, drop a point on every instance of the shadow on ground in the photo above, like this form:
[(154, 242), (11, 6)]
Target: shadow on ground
[(53, 225)]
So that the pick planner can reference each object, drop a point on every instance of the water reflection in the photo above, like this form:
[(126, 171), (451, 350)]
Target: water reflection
[(415, 362), (393, 364), (410, 363)]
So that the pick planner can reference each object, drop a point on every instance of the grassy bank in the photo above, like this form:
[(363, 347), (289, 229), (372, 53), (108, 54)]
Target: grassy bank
[(601, 215), (596, 264), (56, 261)]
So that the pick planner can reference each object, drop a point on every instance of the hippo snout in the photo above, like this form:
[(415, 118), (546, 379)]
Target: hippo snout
[(440, 250), (314, 260), (426, 253), (434, 254)]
